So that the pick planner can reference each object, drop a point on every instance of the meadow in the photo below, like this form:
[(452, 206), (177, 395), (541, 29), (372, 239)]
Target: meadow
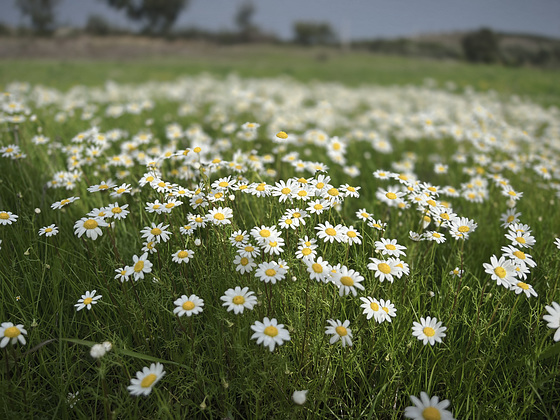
[(178, 241)]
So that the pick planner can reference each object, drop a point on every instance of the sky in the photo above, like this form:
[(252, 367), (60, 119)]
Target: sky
[(352, 19)]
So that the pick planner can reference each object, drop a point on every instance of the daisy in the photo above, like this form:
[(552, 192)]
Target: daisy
[(427, 408), (297, 215), (377, 224), (347, 281), (270, 272), (117, 212), (238, 238), (502, 270), (462, 227), (156, 233), (62, 203), (146, 379), (363, 215), (518, 257), (198, 220), (339, 331), (318, 269), (123, 189), (519, 286), (284, 189), (170, 205), (98, 212), (238, 299), (390, 196), (351, 236), (270, 333), (183, 256), (149, 247), (90, 226), (187, 229), (189, 305), (263, 233), (48, 230), (220, 216), (244, 264), (87, 300), (432, 235), (329, 233), (248, 251), (384, 269), (273, 246), (372, 308), (7, 217), (553, 319), (122, 274), (509, 217), (286, 222), (389, 247), (10, 333), (521, 239), (140, 267), (428, 330), (102, 186), (389, 309), (557, 243), (318, 206), (456, 272)]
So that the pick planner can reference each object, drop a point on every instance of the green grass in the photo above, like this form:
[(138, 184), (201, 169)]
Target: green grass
[(497, 361)]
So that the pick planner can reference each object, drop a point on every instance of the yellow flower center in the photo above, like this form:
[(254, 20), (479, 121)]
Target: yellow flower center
[(260, 187), (64, 202), (87, 301), (182, 254), (302, 193), (436, 235), (510, 218), (188, 305), (347, 281), (90, 224), (524, 286), (265, 233), (333, 192), (385, 309), (384, 268), (318, 268), (239, 238), (431, 413), (156, 231), (500, 272), (157, 206), (390, 247), (121, 190), (282, 135), (306, 251), (519, 254), (391, 195), (12, 332), (318, 206), (48, 230), (288, 221), (139, 266), (464, 229), (149, 178), (197, 149), (249, 248), (330, 232), (116, 210), (270, 272), (403, 177), (169, 205), (219, 216), (365, 215), (244, 261), (320, 185), (285, 190), (429, 331), (271, 331), (340, 330), (520, 239), (444, 216), (103, 187), (374, 306), (431, 203), (148, 380), (238, 300), (351, 234)]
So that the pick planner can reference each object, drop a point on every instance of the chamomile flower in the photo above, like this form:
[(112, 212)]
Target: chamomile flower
[(553, 319), (141, 265), (384, 269), (248, 250), (102, 186), (462, 227), (122, 274), (432, 235), (339, 331), (183, 256), (188, 305), (50, 230), (520, 239), (91, 226), (502, 270), (351, 235), (518, 256), (509, 217), (519, 286), (269, 333), (363, 215), (238, 238), (10, 333), (389, 247), (123, 189), (156, 233), (270, 272), (377, 224), (59, 204), (429, 330), (427, 408), (117, 212), (273, 246), (149, 247), (87, 301), (347, 281), (329, 233), (318, 269), (557, 243), (220, 216), (7, 217), (457, 272), (372, 309), (238, 299), (146, 379), (244, 264)]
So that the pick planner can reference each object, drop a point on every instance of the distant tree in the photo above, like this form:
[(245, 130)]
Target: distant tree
[(40, 12), (481, 46), (98, 25), (158, 15), (244, 16), (313, 33)]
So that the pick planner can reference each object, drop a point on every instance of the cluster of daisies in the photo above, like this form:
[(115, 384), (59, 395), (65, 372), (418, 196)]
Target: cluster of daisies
[(196, 191)]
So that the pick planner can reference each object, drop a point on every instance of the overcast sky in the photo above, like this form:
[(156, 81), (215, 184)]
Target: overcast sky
[(351, 18)]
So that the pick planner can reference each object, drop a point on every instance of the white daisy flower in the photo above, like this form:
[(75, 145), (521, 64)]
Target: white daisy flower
[(7, 217), (90, 226), (339, 331), (427, 408), (146, 379), (141, 265), (87, 300), (239, 299), (10, 333), (270, 333), (429, 330), (50, 230), (188, 305), (553, 319)]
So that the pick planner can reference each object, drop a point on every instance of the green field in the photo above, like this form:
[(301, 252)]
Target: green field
[(346, 115)]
